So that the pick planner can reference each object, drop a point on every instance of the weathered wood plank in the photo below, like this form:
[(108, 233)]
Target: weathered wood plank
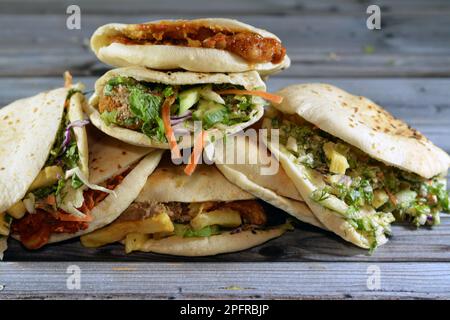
[(338, 45), (226, 280), (423, 104), (202, 7)]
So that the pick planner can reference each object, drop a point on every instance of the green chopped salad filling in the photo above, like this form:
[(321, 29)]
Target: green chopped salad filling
[(63, 155), (136, 105), (186, 231)]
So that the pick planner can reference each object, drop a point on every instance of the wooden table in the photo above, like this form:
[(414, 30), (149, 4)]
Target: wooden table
[(404, 67)]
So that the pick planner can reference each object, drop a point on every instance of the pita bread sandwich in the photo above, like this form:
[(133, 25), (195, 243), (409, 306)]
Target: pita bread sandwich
[(118, 172), (357, 167), (201, 45), (3, 245), (261, 175), (200, 215)]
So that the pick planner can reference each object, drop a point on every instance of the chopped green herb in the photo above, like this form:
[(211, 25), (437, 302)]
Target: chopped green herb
[(76, 182), (71, 156)]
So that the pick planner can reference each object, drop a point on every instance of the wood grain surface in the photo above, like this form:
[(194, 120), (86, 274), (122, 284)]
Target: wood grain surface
[(405, 67)]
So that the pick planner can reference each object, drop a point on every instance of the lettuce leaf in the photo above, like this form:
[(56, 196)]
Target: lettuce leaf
[(146, 107), (125, 81)]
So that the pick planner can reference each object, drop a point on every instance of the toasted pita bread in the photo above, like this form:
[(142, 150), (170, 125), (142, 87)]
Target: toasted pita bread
[(169, 57), (28, 129), (3, 246), (249, 80), (275, 188), (169, 184), (365, 125)]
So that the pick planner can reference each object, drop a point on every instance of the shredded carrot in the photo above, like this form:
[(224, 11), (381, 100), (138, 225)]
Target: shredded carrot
[(67, 79), (196, 153), (265, 95), (168, 127)]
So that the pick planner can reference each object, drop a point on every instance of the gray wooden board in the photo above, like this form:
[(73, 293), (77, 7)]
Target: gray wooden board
[(308, 280)]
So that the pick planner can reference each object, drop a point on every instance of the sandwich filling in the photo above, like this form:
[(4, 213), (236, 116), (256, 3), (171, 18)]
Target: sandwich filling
[(156, 220), (58, 190), (368, 194), (250, 46), (36, 228)]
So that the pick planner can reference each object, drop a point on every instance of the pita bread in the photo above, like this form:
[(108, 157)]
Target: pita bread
[(28, 129), (75, 113), (109, 157), (169, 57), (365, 125), (249, 80), (114, 204), (276, 189), (169, 184), (209, 246)]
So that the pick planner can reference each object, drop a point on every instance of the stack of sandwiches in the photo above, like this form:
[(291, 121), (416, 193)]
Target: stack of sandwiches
[(144, 161)]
